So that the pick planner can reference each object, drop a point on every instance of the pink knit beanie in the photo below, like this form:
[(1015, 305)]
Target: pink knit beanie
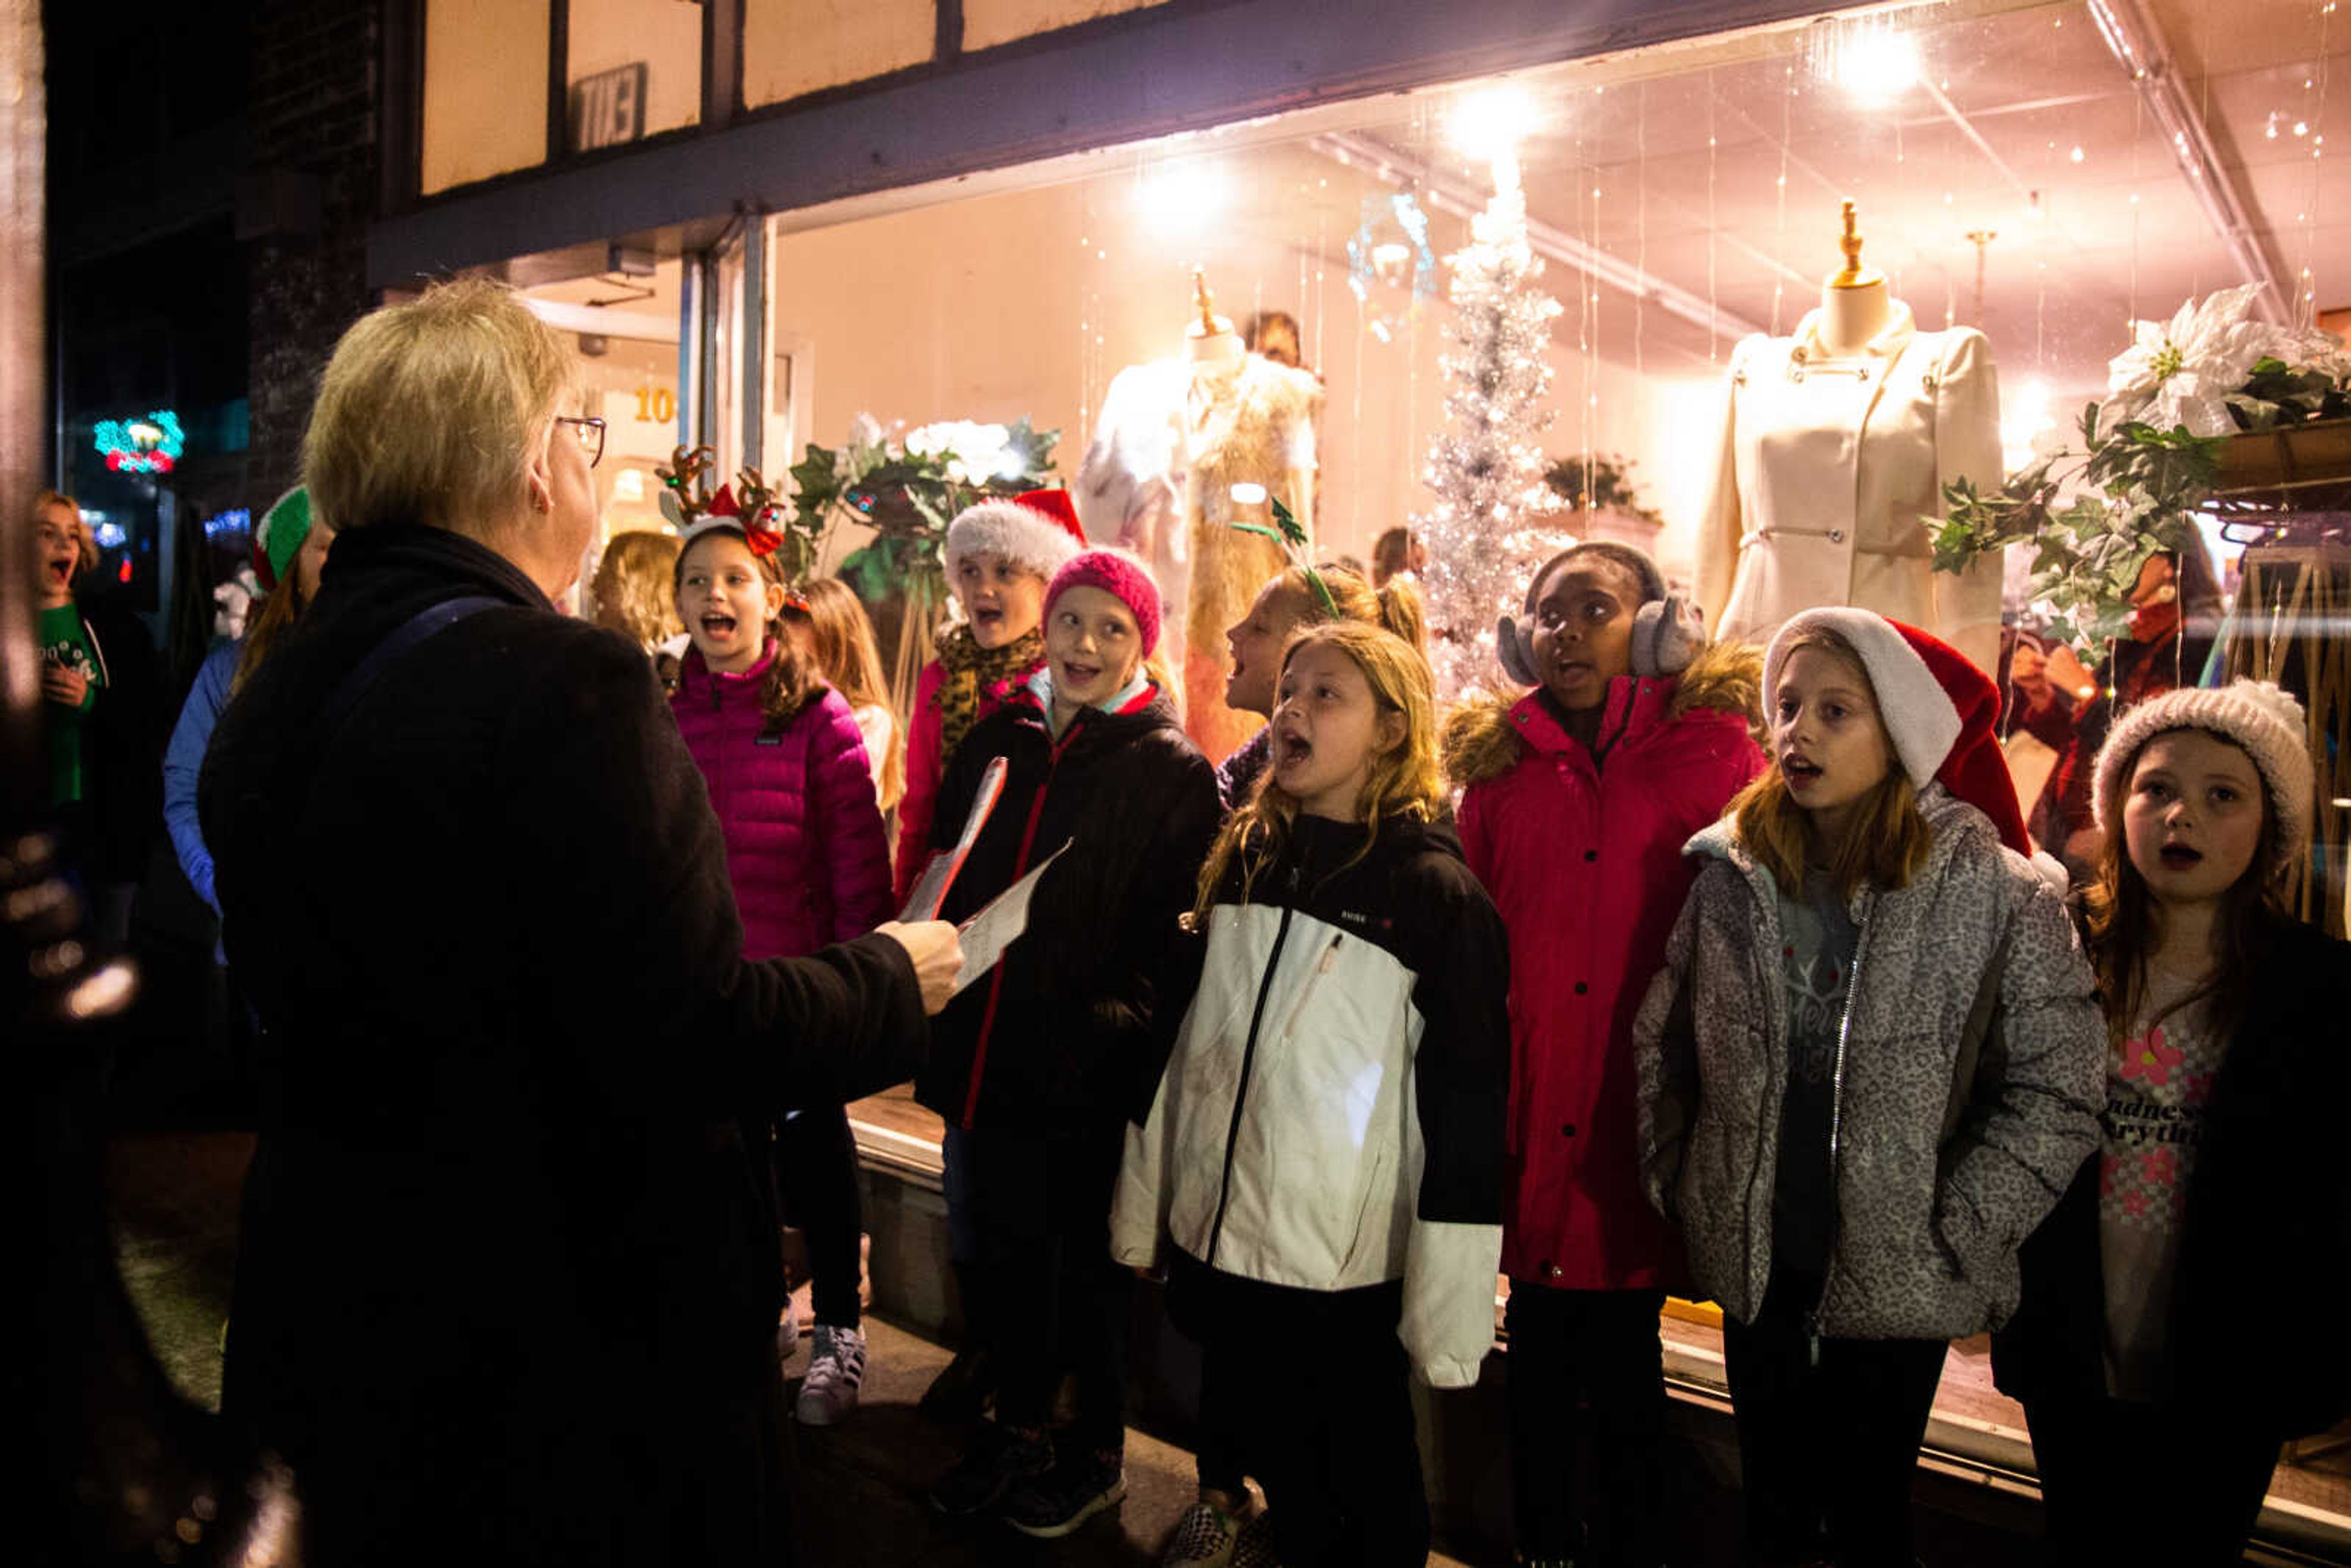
[(1117, 573)]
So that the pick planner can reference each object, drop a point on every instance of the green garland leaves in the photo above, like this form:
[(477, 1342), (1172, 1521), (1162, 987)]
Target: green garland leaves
[(907, 498), (2135, 491)]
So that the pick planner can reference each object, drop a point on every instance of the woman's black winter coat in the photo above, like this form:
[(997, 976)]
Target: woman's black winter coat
[(508, 1279)]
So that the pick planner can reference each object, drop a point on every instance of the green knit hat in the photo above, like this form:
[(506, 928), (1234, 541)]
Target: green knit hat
[(280, 538)]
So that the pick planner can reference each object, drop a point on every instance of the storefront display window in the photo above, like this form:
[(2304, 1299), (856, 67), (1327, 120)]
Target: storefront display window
[(2023, 184)]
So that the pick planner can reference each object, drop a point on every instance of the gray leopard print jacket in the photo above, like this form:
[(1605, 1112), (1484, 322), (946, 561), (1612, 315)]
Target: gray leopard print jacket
[(1971, 1074)]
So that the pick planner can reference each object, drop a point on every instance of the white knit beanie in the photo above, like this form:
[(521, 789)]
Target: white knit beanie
[(2262, 718)]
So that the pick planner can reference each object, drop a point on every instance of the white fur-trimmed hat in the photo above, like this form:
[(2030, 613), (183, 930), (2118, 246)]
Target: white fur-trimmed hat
[(2260, 718), (1038, 530)]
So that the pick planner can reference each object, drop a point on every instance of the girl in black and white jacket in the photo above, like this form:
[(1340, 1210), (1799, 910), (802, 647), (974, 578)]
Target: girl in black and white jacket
[(1325, 1149)]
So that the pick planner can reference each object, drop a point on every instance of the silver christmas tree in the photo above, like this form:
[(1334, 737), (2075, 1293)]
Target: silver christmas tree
[(1484, 533)]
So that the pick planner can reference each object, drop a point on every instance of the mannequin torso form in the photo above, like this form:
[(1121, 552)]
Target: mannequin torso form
[(1853, 314), (1220, 349), (1837, 442)]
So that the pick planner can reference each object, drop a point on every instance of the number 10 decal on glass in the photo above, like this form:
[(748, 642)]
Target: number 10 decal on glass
[(656, 405)]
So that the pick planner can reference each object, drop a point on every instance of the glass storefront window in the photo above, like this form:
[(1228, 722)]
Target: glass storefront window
[(485, 90), (2010, 175)]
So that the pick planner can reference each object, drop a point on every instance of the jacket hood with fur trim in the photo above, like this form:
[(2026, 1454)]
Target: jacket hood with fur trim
[(1479, 741)]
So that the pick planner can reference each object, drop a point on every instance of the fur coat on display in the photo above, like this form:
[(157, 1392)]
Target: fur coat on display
[(1173, 439)]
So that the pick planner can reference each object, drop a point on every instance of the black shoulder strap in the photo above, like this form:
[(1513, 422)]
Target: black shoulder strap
[(426, 622)]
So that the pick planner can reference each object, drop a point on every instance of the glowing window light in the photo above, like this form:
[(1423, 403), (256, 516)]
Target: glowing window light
[(1878, 67), (1183, 198), (1871, 59), (150, 444), (1490, 123)]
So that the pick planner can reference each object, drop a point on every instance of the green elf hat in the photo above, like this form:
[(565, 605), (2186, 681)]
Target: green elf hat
[(283, 529)]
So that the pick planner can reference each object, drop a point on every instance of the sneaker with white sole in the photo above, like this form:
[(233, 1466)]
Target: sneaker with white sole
[(1077, 1488), (836, 1369)]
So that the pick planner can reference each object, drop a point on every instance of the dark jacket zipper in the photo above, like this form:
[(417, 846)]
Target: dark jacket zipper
[(1019, 870), (1248, 1058)]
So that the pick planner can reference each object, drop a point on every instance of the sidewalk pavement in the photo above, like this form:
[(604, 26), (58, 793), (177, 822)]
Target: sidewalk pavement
[(862, 1484)]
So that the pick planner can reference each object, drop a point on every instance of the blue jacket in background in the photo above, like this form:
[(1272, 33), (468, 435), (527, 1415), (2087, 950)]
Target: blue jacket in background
[(185, 758)]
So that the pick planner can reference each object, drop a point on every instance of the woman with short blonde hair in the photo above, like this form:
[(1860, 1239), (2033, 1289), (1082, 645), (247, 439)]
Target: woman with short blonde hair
[(431, 411), (473, 884)]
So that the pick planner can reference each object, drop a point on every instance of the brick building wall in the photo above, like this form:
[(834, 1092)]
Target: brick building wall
[(307, 193)]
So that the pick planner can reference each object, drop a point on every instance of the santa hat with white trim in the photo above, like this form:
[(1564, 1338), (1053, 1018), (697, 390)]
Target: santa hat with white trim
[(1937, 708), (1036, 532)]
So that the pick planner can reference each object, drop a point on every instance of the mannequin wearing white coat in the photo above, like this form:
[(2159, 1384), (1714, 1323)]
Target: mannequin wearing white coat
[(1837, 442)]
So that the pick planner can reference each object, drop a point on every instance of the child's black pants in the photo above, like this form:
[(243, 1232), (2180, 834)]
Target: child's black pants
[(1315, 1392)]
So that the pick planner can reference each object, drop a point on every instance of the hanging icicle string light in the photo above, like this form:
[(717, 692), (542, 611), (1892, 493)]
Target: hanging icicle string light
[(2306, 306)]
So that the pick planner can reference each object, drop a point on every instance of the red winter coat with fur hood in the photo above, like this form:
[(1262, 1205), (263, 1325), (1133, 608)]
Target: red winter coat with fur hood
[(1582, 855)]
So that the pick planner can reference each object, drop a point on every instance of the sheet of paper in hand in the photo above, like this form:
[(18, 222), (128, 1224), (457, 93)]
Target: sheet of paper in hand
[(931, 888), (998, 925)]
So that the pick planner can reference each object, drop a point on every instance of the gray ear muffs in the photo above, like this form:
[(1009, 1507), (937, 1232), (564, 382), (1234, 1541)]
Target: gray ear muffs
[(1515, 646), (1667, 634)]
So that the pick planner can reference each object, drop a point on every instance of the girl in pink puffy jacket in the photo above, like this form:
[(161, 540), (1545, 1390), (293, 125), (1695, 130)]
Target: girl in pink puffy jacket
[(810, 866)]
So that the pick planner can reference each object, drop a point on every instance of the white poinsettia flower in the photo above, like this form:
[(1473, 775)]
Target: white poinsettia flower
[(2311, 348), (864, 431), (2181, 371)]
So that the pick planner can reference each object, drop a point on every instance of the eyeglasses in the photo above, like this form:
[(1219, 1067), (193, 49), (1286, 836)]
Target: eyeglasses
[(590, 430)]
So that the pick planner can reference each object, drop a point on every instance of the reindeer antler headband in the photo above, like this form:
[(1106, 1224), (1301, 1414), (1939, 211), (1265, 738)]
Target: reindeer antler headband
[(746, 506)]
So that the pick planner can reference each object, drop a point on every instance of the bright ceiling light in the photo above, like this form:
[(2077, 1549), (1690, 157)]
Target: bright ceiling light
[(1182, 198), (1490, 123), (1876, 64)]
